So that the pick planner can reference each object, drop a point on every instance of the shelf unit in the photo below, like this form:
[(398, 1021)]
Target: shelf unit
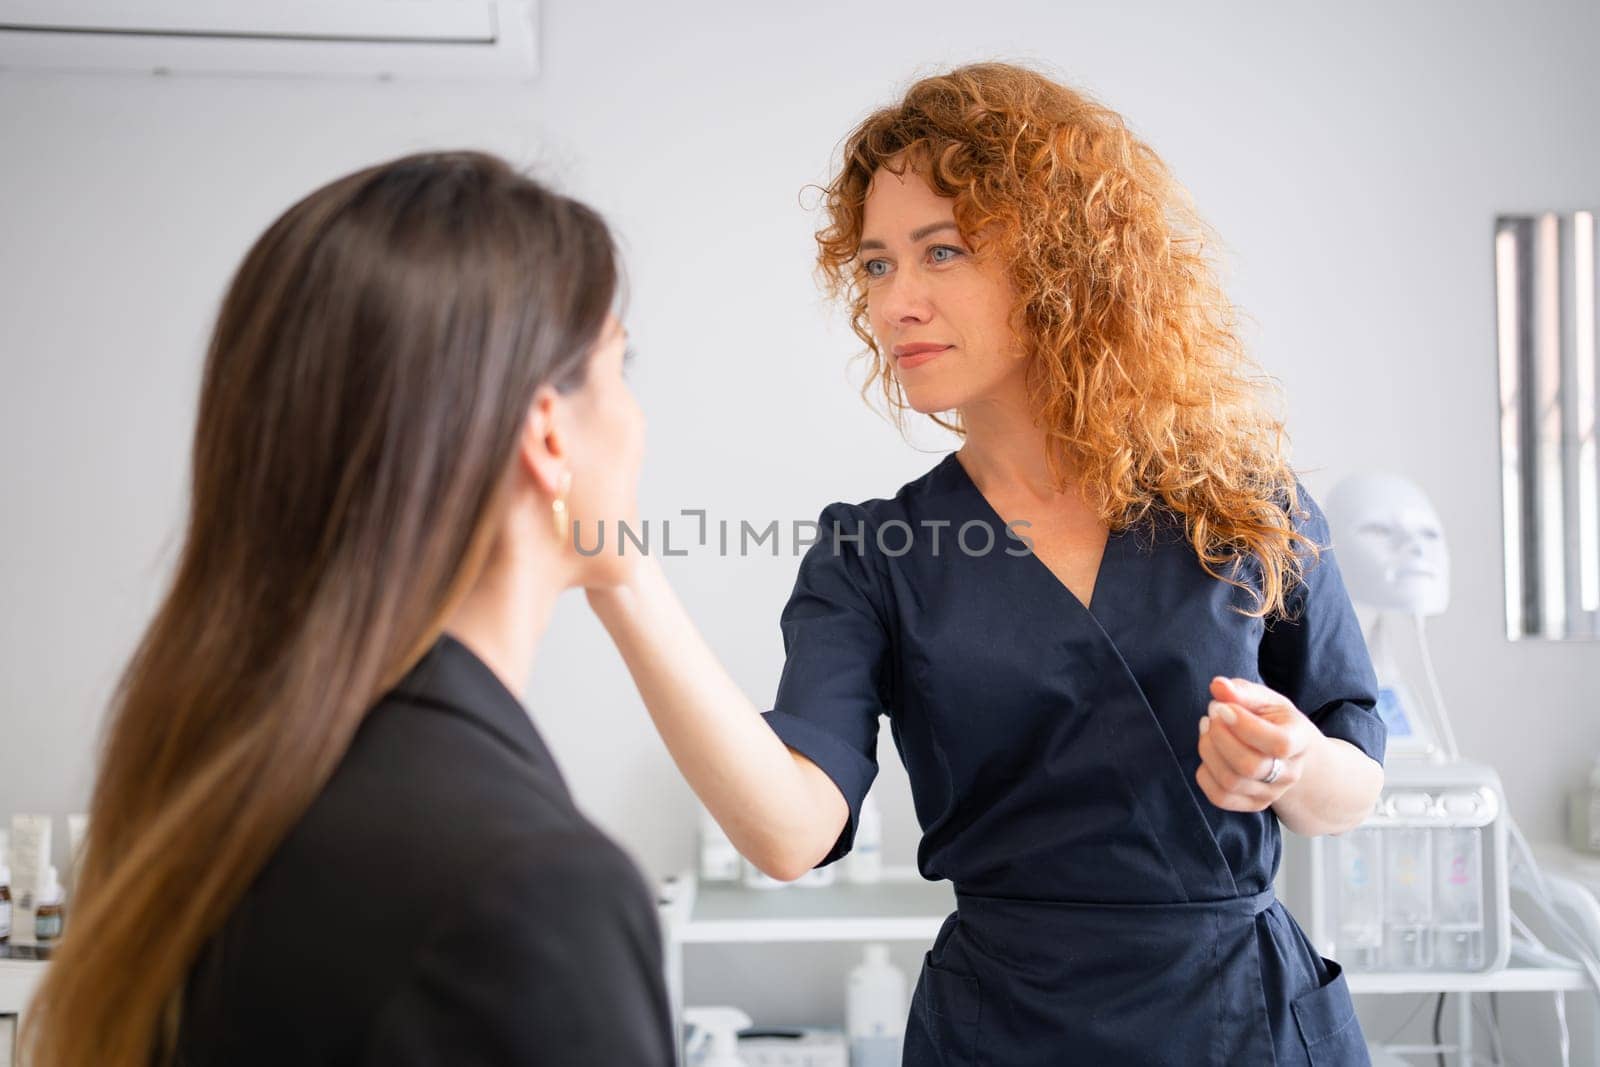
[(904, 906), (17, 981)]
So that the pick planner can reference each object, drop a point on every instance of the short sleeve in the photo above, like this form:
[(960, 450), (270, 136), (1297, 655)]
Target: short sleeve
[(551, 956), (1317, 655), (836, 648)]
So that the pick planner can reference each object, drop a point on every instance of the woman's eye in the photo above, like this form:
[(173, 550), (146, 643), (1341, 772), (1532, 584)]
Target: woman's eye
[(870, 265)]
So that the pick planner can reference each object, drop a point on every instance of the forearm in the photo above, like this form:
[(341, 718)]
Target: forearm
[(741, 770), (1338, 786)]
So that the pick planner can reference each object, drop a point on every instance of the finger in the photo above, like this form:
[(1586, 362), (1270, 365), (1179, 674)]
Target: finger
[(1234, 784), (1252, 695), (1258, 733), (1228, 800), (1208, 785), (1237, 756), (1222, 774)]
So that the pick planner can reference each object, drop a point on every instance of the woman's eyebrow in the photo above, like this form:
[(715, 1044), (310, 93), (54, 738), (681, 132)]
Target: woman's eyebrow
[(916, 235)]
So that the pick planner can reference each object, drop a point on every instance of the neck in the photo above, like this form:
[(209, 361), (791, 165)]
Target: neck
[(504, 617), (1003, 449)]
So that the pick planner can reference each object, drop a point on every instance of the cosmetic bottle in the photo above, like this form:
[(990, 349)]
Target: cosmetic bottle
[(48, 917)]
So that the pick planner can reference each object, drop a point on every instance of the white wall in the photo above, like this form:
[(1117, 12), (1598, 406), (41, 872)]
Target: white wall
[(1353, 157)]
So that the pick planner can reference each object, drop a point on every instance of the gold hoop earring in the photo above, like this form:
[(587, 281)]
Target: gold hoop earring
[(558, 508)]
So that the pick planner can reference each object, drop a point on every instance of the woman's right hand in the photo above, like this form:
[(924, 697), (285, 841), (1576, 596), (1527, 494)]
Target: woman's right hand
[(618, 590)]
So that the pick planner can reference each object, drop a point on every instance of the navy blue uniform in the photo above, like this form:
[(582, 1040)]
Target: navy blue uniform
[(1107, 911)]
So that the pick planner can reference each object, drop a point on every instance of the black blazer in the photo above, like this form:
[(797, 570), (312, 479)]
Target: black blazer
[(441, 902)]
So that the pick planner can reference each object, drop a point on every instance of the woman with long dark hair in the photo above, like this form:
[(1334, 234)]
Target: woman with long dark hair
[(324, 830)]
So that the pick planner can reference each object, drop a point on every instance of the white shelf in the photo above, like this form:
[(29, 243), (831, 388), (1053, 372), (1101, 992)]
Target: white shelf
[(896, 909), (1507, 980)]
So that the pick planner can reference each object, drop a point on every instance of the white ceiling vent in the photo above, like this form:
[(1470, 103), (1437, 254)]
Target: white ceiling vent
[(468, 40)]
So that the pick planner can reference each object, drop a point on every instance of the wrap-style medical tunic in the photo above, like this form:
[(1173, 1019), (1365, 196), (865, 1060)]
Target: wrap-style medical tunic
[(1107, 912)]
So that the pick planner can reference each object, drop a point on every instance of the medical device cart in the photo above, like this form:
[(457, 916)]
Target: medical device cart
[(1514, 978), (1418, 899)]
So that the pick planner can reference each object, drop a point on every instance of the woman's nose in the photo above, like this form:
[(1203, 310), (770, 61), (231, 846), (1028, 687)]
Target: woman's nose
[(905, 299)]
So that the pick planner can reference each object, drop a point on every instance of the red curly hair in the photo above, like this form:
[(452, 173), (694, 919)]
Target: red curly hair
[(1135, 369)]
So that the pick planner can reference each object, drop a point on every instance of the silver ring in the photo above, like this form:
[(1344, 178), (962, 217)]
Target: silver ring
[(1272, 775)]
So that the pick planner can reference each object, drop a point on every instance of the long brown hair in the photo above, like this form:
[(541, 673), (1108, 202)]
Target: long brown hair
[(366, 383), (1136, 371)]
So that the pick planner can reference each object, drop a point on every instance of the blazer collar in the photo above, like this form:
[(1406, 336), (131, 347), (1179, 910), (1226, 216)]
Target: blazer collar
[(451, 678)]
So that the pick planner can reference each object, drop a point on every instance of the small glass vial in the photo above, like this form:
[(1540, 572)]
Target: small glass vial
[(47, 920), (5, 886), (5, 903)]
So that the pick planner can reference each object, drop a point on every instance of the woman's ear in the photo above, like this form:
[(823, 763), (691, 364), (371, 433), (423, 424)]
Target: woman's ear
[(542, 450)]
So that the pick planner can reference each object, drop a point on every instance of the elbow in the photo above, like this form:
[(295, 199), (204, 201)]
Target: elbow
[(791, 856), (1371, 792), (785, 867), (768, 854), (788, 872), (793, 845), (1316, 825), (788, 860), (1344, 826)]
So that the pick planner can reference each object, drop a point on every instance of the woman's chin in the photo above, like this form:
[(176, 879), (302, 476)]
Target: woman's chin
[(929, 402)]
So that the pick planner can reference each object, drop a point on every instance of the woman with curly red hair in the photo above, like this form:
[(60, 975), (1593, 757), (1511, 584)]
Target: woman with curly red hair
[(1112, 643)]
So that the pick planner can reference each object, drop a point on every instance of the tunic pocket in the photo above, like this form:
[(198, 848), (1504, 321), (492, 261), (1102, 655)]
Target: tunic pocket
[(1327, 1020), (954, 1002)]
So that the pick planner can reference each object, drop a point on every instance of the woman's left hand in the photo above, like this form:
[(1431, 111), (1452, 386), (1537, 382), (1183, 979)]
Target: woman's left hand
[(1246, 726)]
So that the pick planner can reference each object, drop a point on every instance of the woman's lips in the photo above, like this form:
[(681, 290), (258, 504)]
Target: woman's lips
[(916, 359)]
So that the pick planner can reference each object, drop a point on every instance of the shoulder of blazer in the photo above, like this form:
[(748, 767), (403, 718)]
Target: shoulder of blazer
[(450, 678)]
